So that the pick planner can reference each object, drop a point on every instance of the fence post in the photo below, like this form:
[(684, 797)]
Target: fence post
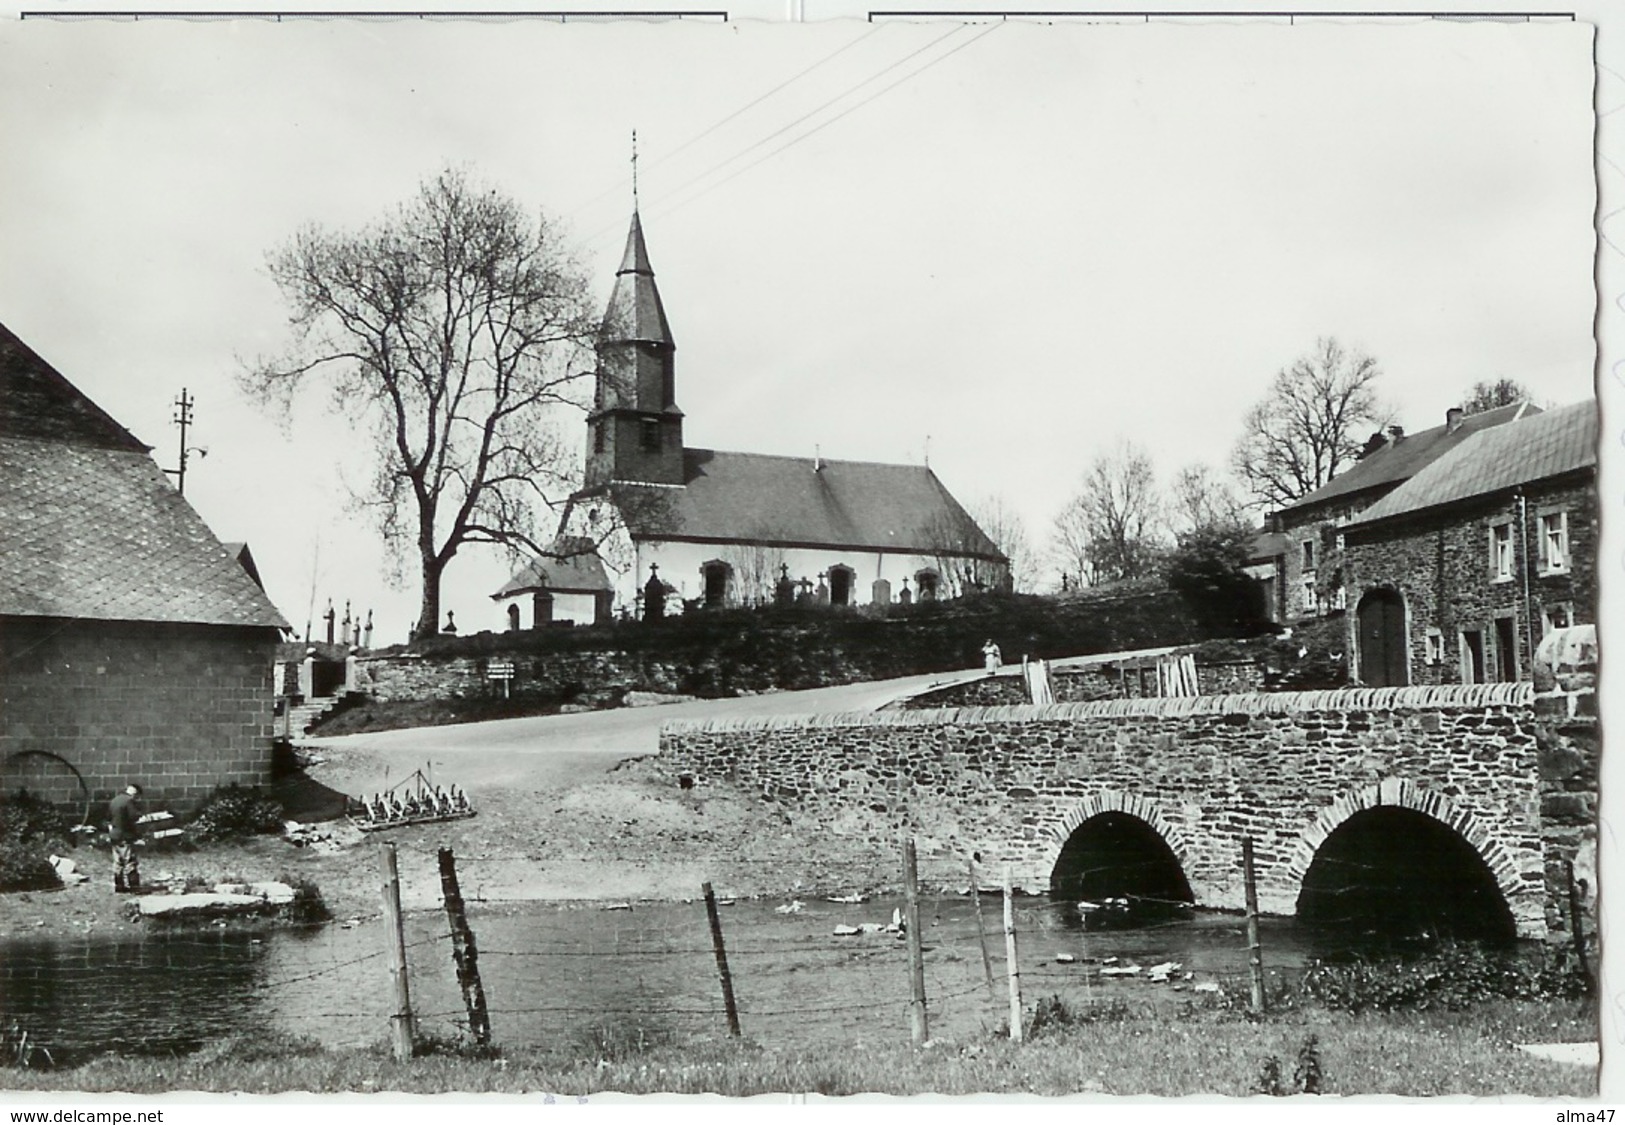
[(916, 955), (464, 952), (981, 929), (1255, 955), (722, 960), (400, 1023), (1012, 968)]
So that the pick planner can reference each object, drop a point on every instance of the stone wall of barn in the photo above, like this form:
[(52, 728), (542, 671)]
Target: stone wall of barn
[(1008, 785), (179, 709)]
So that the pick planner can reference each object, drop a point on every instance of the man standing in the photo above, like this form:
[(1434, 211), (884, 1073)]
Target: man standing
[(125, 814)]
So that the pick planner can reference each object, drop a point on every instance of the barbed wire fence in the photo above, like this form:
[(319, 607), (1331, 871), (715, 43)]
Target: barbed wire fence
[(806, 972)]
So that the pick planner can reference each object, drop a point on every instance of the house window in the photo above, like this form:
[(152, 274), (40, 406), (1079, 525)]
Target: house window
[(597, 437), (1501, 552), (1435, 646), (651, 435), (1311, 600), (1553, 617), (1308, 555), (1554, 543)]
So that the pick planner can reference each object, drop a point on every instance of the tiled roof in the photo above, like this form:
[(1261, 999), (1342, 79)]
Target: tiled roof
[(37, 401), (577, 572), (1404, 456), (1535, 448), (797, 501), (88, 531)]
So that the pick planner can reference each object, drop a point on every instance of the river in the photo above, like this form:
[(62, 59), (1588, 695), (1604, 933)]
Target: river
[(592, 979)]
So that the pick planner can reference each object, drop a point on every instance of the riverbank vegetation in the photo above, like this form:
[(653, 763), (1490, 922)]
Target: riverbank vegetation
[(1123, 1050)]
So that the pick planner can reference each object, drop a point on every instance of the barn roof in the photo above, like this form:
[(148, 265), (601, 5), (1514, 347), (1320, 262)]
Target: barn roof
[(1406, 454), (804, 502), (90, 527), (1535, 448)]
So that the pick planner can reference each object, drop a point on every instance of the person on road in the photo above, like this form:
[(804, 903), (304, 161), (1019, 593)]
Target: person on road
[(992, 659), (124, 811)]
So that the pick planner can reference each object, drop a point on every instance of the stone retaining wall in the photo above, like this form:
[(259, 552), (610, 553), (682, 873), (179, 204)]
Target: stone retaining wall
[(1010, 784)]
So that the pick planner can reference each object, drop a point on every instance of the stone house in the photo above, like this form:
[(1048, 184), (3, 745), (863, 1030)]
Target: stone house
[(1456, 575), (133, 645), (722, 528), (1310, 581)]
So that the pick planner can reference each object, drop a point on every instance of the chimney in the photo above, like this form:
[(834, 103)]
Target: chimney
[(1395, 432), (818, 459), (1452, 419)]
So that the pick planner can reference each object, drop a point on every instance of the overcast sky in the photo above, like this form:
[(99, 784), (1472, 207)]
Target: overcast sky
[(1010, 244)]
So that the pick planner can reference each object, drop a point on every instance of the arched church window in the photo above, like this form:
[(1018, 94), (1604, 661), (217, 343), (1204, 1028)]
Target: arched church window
[(929, 583), (651, 435), (598, 437)]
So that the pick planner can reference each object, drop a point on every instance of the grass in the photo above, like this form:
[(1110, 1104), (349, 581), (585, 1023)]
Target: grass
[(1124, 1052)]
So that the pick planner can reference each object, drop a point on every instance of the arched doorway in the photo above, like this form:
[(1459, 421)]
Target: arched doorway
[(1396, 873), (1122, 871), (1384, 655)]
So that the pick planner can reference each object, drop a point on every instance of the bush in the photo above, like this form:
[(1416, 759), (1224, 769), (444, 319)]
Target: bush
[(308, 904), (1453, 979), (233, 812), (30, 829)]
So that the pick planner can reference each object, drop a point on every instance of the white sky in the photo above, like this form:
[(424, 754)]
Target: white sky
[(1053, 237)]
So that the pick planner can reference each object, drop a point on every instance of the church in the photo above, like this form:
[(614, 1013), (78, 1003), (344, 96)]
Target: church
[(715, 528)]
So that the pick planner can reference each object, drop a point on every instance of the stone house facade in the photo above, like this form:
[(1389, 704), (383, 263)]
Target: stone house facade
[(1456, 576), (134, 646), (1310, 562)]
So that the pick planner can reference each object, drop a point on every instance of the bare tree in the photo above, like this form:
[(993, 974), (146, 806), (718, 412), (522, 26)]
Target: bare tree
[(756, 564), (451, 330), (960, 549), (1199, 498), (1486, 395), (1004, 525), (1108, 531), (1310, 425)]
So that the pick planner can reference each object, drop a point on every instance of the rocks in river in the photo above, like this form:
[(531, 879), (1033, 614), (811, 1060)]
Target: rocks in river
[(794, 906), (226, 900)]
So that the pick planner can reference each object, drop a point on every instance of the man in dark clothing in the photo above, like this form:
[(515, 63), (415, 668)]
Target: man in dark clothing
[(125, 813)]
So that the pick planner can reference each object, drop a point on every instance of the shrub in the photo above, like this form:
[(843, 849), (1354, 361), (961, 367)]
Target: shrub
[(308, 904), (29, 830), (1452, 979), (233, 812)]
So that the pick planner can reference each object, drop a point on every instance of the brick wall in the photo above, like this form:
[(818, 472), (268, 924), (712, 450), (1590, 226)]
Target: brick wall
[(178, 708), (1441, 567), (1011, 783)]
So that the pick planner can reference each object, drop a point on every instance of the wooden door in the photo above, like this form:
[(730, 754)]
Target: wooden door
[(1383, 654)]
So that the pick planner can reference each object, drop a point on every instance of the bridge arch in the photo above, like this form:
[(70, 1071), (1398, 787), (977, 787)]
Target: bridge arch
[(1432, 814), (1113, 843)]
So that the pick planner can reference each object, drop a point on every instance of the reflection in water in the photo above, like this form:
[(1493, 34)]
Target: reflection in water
[(153, 994)]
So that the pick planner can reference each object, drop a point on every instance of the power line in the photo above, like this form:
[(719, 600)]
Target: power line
[(814, 113), (753, 103)]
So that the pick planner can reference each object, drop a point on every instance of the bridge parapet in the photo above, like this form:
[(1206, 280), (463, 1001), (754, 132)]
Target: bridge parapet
[(1012, 783)]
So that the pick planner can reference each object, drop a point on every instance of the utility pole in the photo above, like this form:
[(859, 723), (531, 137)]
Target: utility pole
[(183, 419)]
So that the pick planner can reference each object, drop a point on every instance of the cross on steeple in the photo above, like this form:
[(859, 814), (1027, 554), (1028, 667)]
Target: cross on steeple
[(634, 169)]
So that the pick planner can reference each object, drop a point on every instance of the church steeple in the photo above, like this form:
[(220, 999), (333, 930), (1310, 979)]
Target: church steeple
[(635, 431)]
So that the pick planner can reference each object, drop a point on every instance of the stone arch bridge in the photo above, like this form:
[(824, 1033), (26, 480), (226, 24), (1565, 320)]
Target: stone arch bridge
[(1472, 764)]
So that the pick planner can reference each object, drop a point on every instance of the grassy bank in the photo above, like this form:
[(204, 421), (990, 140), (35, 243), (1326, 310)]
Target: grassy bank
[(1417, 1054)]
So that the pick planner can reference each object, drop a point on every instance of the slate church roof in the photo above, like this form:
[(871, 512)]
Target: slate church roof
[(1551, 444), (803, 502), (89, 525)]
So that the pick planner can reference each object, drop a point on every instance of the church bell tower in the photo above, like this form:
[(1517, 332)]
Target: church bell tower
[(635, 431)]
